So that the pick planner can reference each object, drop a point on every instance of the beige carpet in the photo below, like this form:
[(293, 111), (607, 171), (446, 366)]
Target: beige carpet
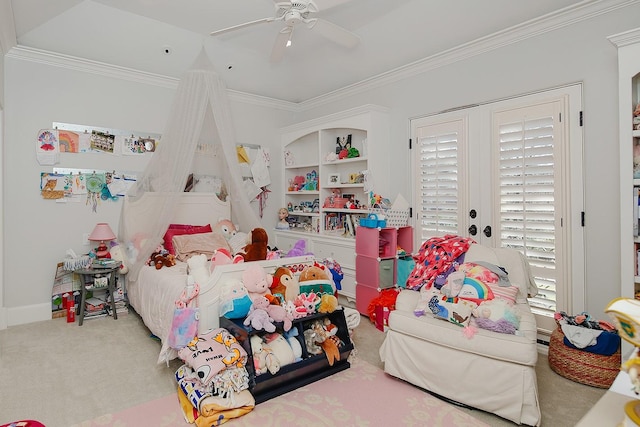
[(62, 374)]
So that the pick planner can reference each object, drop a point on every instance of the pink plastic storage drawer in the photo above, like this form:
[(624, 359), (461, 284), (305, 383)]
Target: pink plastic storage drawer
[(375, 274), (364, 295), (376, 242)]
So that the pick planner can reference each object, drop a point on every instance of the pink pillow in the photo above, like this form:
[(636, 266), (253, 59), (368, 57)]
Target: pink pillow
[(179, 230)]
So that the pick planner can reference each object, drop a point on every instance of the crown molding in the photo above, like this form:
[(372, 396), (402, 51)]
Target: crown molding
[(544, 24), (54, 59), (626, 38), (568, 16)]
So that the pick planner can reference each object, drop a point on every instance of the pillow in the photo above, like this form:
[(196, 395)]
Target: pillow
[(455, 310), (187, 245), (475, 290), (507, 293), (180, 229)]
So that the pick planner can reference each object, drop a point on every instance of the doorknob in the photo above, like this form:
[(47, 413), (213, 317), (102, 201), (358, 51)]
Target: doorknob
[(473, 230), (487, 231), (473, 213)]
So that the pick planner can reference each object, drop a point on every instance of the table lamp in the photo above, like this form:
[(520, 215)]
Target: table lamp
[(102, 233)]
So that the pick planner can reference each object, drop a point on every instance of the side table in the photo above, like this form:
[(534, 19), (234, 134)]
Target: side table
[(88, 275)]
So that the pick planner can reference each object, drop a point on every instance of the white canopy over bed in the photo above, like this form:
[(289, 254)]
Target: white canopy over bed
[(200, 116)]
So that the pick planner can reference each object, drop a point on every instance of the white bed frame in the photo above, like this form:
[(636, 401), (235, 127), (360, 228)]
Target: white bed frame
[(206, 208)]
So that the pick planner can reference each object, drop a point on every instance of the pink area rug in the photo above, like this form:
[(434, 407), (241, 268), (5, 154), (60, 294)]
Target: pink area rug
[(362, 395)]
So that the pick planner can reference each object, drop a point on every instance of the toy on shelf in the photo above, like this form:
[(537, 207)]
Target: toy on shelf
[(282, 224)]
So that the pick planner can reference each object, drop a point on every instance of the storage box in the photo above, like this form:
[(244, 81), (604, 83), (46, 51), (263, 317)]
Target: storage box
[(376, 273), (364, 295), (372, 221)]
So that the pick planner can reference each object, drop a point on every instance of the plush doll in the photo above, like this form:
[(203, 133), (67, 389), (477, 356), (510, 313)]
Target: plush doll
[(308, 302), (226, 228), (223, 257), (328, 304), (295, 311), (298, 249), (161, 259), (312, 341), (197, 266), (497, 315), (259, 354), (295, 345), (280, 348), (117, 253), (279, 314), (257, 249), (316, 278), (285, 284), (234, 300), (258, 317), (257, 281)]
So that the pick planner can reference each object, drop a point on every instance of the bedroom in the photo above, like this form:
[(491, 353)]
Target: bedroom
[(579, 52)]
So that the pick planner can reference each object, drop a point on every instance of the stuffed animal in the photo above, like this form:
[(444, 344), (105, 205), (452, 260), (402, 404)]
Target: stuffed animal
[(117, 253), (316, 278), (311, 341), (294, 343), (257, 249), (258, 317), (223, 257), (280, 348), (295, 311), (497, 315), (234, 300), (257, 281), (308, 302), (279, 314), (161, 259), (259, 354), (226, 228), (285, 284), (298, 249), (328, 304), (197, 267)]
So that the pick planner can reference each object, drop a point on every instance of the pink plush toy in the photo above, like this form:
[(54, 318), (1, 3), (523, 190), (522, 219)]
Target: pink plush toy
[(258, 316), (257, 281), (308, 302), (222, 257), (279, 314)]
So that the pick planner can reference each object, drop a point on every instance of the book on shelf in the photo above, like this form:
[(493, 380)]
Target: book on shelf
[(636, 210)]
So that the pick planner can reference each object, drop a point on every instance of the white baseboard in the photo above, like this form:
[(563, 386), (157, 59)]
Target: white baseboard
[(28, 314)]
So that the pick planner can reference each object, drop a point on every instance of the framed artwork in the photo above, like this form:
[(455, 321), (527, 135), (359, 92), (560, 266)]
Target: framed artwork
[(333, 179)]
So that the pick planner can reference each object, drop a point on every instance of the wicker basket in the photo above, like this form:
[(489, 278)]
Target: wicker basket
[(580, 366)]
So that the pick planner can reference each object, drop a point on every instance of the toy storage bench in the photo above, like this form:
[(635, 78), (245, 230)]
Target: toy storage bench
[(311, 367)]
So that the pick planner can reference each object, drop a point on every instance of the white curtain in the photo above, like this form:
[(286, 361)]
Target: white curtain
[(200, 114)]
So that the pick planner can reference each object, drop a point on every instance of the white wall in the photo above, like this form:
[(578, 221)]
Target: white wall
[(579, 53), (38, 232)]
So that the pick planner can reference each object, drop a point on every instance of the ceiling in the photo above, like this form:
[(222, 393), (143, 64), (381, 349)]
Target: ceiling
[(164, 37)]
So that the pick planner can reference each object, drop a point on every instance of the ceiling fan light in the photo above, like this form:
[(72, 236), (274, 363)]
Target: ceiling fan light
[(289, 39)]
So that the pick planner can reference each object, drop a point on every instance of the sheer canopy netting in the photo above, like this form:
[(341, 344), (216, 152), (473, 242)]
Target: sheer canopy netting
[(200, 114)]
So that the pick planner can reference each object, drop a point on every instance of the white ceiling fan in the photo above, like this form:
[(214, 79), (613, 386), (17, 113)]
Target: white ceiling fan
[(294, 12)]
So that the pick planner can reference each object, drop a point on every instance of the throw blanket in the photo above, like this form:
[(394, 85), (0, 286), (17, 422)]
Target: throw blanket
[(437, 257)]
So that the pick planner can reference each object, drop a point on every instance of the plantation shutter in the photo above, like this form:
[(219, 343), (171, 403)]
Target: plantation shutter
[(438, 178), (528, 192)]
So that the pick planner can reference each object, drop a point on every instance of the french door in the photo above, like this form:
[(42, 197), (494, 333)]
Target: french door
[(509, 174)]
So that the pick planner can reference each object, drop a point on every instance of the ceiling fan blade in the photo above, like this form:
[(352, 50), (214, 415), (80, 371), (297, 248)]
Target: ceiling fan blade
[(280, 45), (333, 32), (237, 27)]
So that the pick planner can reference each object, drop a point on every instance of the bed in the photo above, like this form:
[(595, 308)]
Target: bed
[(154, 291)]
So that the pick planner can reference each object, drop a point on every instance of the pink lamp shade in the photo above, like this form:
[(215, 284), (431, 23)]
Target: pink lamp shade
[(101, 233)]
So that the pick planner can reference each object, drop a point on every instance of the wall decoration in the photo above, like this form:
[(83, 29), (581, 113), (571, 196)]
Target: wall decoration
[(69, 141), (47, 147), (102, 141), (343, 143)]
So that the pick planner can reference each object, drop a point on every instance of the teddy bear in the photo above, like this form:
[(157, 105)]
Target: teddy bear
[(259, 354), (257, 281), (257, 249), (161, 259), (258, 317), (197, 267)]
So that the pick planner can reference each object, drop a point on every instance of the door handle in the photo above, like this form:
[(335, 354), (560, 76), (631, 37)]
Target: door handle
[(487, 231), (473, 230)]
